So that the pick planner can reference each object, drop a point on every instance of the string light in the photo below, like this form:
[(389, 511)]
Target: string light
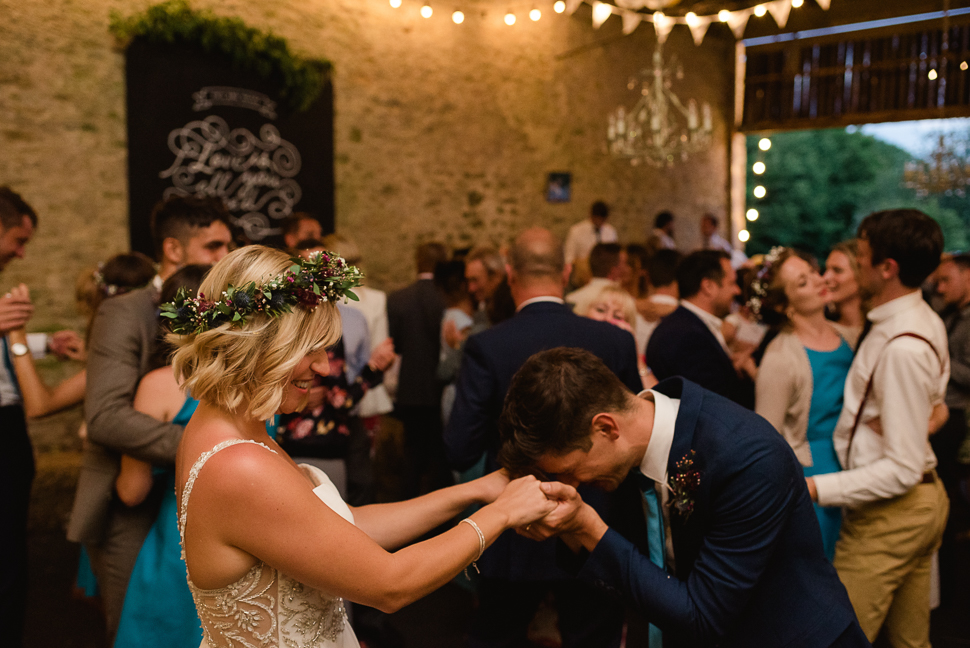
[(764, 144), (963, 66), (932, 75), (396, 4), (601, 11), (752, 214), (760, 192), (510, 19), (426, 11), (723, 15), (559, 7), (758, 168), (535, 15), (760, 11), (458, 17), (691, 19), (797, 3), (744, 235)]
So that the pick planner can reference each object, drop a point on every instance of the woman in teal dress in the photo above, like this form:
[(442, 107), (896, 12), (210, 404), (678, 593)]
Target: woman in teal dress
[(801, 378)]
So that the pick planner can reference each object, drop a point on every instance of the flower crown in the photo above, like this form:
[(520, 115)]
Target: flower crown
[(321, 278), (759, 285)]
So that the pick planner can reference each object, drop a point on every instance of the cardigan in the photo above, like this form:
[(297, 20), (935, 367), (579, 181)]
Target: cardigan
[(783, 390)]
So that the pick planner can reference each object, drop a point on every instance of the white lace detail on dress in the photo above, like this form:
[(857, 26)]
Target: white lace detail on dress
[(264, 608)]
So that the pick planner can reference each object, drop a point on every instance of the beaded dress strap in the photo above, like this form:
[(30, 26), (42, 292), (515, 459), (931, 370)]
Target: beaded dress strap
[(194, 473)]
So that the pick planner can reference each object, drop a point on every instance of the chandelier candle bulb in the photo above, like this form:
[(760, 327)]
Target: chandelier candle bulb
[(559, 7), (692, 115), (535, 15), (706, 112), (426, 11)]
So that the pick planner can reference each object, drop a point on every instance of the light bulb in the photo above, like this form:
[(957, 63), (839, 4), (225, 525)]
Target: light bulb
[(535, 15), (932, 75), (426, 11), (396, 3), (458, 17), (760, 192), (760, 11), (758, 168), (691, 19), (743, 236), (723, 15), (963, 66), (751, 214), (764, 144), (559, 7), (797, 3), (601, 11), (510, 19)]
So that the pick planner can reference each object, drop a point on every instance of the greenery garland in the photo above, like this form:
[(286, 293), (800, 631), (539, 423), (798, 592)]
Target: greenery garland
[(265, 54)]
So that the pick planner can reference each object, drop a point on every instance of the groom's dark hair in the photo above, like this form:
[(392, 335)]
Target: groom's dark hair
[(551, 403)]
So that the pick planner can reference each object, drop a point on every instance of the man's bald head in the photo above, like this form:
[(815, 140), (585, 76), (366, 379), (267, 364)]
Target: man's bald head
[(537, 254)]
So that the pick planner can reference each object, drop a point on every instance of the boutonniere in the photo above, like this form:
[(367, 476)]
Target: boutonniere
[(683, 485)]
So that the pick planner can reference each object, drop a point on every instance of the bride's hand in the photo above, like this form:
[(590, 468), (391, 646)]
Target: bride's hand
[(491, 486), (524, 502)]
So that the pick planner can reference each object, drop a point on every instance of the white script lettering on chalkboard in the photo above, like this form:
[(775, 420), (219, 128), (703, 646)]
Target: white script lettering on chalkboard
[(210, 96), (253, 175)]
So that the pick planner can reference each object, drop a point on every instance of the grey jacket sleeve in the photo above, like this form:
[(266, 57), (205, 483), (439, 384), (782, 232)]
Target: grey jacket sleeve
[(122, 340)]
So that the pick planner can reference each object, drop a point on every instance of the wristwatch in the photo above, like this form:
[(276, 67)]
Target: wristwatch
[(19, 349)]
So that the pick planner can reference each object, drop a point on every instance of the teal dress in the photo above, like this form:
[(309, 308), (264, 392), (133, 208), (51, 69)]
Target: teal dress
[(159, 611), (829, 371)]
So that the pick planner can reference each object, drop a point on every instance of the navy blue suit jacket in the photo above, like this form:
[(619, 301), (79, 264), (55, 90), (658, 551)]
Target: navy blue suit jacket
[(682, 345), (489, 361), (414, 318), (750, 569)]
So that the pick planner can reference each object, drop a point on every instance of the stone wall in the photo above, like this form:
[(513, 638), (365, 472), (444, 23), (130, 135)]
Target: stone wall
[(441, 130)]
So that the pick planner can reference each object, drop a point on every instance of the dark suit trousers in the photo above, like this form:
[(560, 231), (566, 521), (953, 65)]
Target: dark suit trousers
[(587, 618), (16, 477), (113, 559)]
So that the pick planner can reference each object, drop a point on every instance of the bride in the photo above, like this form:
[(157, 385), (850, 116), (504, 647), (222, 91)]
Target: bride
[(271, 549)]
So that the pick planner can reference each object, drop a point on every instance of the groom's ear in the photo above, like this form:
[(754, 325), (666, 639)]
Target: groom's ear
[(605, 423)]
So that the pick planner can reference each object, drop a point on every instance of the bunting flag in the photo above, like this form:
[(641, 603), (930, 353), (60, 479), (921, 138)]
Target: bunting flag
[(779, 11), (572, 6), (824, 4), (631, 20), (737, 21), (698, 28)]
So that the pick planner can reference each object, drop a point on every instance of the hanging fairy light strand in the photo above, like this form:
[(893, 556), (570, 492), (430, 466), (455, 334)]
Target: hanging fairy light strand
[(632, 15)]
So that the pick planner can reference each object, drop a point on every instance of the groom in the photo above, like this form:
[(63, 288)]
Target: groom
[(730, 552)]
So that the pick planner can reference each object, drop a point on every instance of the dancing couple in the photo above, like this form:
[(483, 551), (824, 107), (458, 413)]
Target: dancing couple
[(729, 553)]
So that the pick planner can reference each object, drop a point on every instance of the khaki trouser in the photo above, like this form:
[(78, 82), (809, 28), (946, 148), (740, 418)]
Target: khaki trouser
[(883, 558)]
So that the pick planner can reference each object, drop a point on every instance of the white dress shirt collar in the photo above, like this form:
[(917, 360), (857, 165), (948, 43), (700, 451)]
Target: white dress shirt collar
[(711, 321), (654, 463), (536, 300), (895, 306)]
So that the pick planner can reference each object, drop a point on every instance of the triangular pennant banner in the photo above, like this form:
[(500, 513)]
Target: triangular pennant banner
[(631, 20), (572, 6), (699, 29), (824, 4), (601, 11), (737, 21), (633, 5), (779, 11), (663, 25)]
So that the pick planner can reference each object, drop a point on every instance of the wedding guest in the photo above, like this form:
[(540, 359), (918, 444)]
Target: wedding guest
[(802, 374), (664, 296), (842, 278), (186, 230), (489, 287), (953, 284), (589, 232), (517, 574), (609, 266), (690, 343), (638, 283), (300, 226), (450, 279), (715, 543), (711, 239), (894, 505), (414, 315), (615, 306), (662, 236), (270, 547)]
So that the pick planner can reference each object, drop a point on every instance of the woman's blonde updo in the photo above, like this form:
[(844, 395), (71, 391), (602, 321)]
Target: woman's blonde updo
[(249, 365)]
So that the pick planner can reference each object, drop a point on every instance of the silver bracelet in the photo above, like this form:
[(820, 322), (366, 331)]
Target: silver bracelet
[(481, 545)]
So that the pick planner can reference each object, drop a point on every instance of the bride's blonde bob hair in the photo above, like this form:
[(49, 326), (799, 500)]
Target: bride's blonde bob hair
[(245, 368)]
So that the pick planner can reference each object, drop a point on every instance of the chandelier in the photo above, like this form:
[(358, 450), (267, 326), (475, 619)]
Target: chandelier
[(659, 130), (947, 171)]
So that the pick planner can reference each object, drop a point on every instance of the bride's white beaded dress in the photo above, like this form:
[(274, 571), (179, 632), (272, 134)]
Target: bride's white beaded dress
[(265, 607)]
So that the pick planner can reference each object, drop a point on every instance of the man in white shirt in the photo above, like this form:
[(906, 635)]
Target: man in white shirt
[(609, 266), (585, 234), (895, 505), (662, 236)]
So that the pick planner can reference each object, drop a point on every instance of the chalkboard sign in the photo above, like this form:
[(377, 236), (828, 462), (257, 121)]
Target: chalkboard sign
[(199, 126)]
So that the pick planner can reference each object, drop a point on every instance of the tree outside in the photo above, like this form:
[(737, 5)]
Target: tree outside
[(820, 184)]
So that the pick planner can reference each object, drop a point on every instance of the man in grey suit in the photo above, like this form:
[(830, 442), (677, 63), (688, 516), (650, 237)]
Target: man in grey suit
[(186, 230)]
